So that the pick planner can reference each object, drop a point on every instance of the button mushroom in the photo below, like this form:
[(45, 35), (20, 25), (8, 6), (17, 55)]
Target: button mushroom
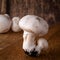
[(5, 23), (15, 24), (41, 44), (33, 26)]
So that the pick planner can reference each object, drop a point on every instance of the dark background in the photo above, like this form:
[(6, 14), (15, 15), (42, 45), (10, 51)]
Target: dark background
[(48, 9)]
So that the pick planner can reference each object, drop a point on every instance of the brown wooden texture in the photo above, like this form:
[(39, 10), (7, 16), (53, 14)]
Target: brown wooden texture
[(48, 9), (0, 5), (3, 6), (11, 46), (11, 43)]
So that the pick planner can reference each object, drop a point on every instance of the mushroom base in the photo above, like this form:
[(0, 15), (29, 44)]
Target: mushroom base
[(29, 45)]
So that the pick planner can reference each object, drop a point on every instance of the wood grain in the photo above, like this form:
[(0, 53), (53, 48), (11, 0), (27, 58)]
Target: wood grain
[(49, 10), (3, 7), (11, 46)]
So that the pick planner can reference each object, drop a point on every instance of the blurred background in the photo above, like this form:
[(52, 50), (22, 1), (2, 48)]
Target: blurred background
[(11, 43), (48, 9)]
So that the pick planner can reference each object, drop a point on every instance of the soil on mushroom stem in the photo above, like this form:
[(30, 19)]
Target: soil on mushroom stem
[(11, 46)]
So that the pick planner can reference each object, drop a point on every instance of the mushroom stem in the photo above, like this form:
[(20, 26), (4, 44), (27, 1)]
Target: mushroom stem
[(29, 40), (28, 36)]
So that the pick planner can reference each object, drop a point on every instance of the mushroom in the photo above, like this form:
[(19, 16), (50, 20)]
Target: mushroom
[(5, 23), (42, 44), (15, 24), (33, 26)]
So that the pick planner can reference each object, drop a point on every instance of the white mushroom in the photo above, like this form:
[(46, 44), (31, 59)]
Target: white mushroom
[(42, 44), (15, 24), (32, 25), (5, 23)]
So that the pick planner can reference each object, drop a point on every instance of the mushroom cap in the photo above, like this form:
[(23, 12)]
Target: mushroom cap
[(7, 15), (5, 23), (34, 24), (15, 24), (15, 19)]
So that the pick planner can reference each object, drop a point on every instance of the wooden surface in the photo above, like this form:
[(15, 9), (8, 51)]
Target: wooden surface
[(11, 43), (11, 46)]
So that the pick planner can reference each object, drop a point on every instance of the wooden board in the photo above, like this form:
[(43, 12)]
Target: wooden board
[(11, 46)]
